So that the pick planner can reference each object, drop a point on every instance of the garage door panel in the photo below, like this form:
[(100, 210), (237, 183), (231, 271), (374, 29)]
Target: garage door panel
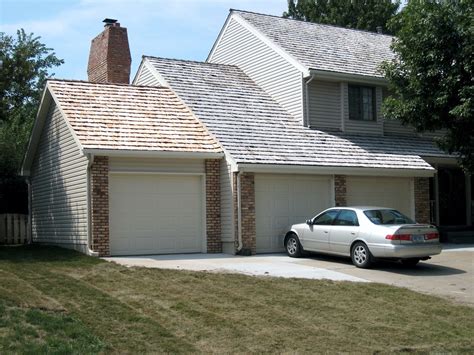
[(155, 214), (282, 200), (381, 191)]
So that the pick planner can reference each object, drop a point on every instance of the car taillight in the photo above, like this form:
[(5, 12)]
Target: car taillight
[(430, 236), (398, 237)]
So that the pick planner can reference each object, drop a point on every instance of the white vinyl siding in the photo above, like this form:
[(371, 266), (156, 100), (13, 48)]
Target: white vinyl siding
[(283, 200), (156, 165), (227, 205), (145, 77), (324, 105), (156, 213), (397, 193), (268, 69), (358, 126), (59, 186)]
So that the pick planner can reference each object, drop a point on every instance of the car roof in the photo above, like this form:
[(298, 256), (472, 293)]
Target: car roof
[(361, 208)]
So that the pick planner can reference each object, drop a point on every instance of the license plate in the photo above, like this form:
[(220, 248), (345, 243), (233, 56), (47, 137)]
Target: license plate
[(418, 238)]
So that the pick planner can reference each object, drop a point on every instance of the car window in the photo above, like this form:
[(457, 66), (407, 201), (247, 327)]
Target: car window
[(326, 218), (346, 218), (387, 217)]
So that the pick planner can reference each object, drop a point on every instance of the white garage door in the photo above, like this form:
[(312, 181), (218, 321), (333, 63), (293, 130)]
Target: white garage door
[(381, 191), (282, 200), (155, 214)]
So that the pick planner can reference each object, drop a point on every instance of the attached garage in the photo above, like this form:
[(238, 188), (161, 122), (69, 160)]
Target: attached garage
[(156, 214), (282, 200), (382, 191)]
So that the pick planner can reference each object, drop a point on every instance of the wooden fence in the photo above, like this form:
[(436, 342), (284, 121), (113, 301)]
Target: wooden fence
[(14, 229)]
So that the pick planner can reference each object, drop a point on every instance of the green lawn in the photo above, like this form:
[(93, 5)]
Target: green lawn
[(59, 301)]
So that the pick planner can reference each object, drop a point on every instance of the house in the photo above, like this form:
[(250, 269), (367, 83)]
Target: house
[(220, 155)]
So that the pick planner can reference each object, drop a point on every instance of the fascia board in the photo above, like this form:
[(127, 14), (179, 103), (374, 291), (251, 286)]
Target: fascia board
[(151, 154), (323, 170)]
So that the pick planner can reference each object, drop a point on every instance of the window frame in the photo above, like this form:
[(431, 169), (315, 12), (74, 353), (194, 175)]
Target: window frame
[(358, 102)]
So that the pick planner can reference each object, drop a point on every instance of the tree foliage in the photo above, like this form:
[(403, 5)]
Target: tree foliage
[(25, 65), (358, 14), (432, 75)]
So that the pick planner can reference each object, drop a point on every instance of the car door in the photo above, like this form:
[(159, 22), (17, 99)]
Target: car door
[(316, 238), (344, 230)]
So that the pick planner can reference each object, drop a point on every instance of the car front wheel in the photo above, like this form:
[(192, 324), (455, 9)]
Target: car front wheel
[(361, 256), (292, 246)]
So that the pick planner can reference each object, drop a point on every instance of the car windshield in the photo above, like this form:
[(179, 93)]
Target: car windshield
[(384, 216)]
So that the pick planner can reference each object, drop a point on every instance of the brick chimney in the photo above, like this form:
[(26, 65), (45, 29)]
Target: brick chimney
[(109, 57)]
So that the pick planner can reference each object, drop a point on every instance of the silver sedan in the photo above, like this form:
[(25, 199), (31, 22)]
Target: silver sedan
[(365, 234)]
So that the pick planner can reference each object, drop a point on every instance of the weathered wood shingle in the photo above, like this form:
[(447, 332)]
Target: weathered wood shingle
[(126, 117), (253, 128), (325, 47)]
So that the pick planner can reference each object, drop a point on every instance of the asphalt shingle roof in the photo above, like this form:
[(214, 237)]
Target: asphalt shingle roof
[(114, 116), (325, 47), (253, 128)]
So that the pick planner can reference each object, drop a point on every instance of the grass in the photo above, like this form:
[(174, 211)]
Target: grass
[(59, 301)]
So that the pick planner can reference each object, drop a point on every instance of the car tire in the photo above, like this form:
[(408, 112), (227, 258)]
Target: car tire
[(361, 256), (293, 246), (410, 262)]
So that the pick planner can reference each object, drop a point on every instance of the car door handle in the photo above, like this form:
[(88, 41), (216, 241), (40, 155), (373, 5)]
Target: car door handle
[(326, 232), (353, 233)]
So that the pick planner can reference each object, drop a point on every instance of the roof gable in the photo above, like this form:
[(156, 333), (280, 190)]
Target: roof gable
[(324, 47)]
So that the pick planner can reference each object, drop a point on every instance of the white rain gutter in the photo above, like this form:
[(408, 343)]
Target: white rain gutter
[(306, 116), (89, 251), (239, 214)]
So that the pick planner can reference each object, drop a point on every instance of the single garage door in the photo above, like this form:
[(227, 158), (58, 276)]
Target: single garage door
[(155, 214), (282, 200), (381, 191)]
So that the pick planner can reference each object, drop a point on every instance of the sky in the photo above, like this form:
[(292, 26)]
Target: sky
[(183, 29)]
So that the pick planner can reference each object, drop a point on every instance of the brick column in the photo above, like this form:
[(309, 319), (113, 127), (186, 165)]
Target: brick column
[(213, 206), (422, 200), (340, 190), (100, 205), (247, 189)]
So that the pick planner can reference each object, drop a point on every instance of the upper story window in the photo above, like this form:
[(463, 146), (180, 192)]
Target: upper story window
[(362, 103)]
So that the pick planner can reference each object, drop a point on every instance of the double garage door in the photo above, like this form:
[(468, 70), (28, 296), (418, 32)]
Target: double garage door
[(282, 200), (155, 214)]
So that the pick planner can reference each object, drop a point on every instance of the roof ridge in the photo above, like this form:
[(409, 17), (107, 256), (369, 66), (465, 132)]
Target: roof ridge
[(108, 84), (312, 23), (191, 61)]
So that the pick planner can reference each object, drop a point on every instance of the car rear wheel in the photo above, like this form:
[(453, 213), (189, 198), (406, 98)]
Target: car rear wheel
[(361, 256), (410, 262), (293, 246)]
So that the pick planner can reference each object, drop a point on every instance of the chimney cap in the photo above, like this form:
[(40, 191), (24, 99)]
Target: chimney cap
[(109, 21)]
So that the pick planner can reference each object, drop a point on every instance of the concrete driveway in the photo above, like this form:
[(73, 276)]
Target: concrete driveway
[(449, 275)]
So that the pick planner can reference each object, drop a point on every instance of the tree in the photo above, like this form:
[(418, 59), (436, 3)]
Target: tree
[(358, 14), (431, 77), (25, 64)]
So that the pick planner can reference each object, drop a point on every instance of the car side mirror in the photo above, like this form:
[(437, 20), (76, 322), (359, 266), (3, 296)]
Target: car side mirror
[(309, 222)]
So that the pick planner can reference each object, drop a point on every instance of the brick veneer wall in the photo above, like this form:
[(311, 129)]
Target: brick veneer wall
[(109, 57), (99, 180), (213, 206), (422, 200), (340, 190)]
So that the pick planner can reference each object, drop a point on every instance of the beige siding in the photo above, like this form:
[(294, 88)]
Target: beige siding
[(324, 105), (59, 187), (363, 127), (158, 165), (146, 78), (227, 207), (267, 68)]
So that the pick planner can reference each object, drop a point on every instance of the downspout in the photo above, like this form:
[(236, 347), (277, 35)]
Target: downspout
[(89, 251), (306, 116), (239, 214), (30, 210)]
